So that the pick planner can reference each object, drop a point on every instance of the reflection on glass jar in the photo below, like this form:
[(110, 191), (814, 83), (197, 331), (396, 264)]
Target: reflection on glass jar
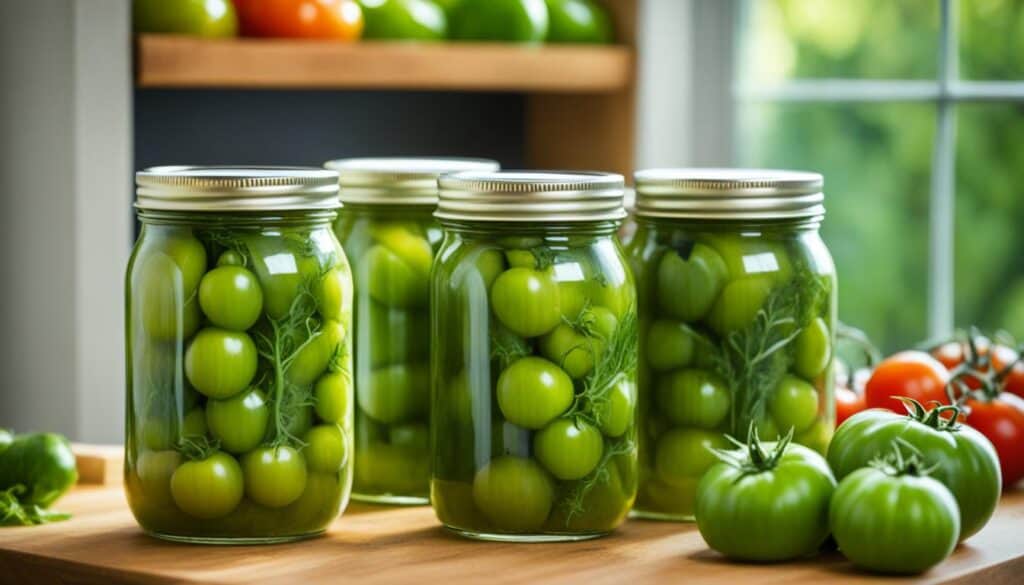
[(238, 304), (737, 321), (388, 231), (534, 362)]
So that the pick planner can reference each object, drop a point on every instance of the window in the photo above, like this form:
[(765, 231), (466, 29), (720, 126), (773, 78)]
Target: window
[(911, 111)]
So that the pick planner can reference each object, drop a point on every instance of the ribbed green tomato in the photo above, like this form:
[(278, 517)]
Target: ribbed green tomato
[(274, 476), (766, 507), (526, 301), (208, 488), (532, 392), (688, 287), (514, 493), (966, 461), (893, 522), (794, 404), (696, 398), (812, 349), (231, 297), (220, 363), (396, 393), (239, 422), (332, 397), (568, 449)]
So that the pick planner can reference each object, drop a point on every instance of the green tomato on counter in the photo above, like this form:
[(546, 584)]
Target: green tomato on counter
[(526, 301), (208, 488), (413, 20), (515, 494), (518, 21), (532, 392), (220, 363), (569, 449), (578, 21), (203, 18), (239, 422)]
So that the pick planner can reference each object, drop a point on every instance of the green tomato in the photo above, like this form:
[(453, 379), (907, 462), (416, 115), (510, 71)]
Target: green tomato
[(684, 454), (220, 363), (519, 21), (230, 258), (606, 505), (738, 304), (794, 404), (489, 264), (688, 287), (966, 461), (394, 281), (281, 272), (514, 493), (617, 297), (578, 21), (274, 476), (334, 295), (231, 298), (239, 422), (526, 301), (326, 449), (812, 349), (318, 505), (695, 398), (752, 257), (202, 18), (572, 351), (890, 522), (40, 462), (767, 429), (670, 345), (332, 397), (193, 426), (154, 470), (408, 243), (299, 419), (675, 500), (208, 488), (532, 392), (382, 468), (157, 433), (161, 286), (751, 511), (396, 393), (569, 449), (312, 360), (615, 415), (572, 297), (392, 335), (410, 436), (817, 436), (419, 20), (520, 259)]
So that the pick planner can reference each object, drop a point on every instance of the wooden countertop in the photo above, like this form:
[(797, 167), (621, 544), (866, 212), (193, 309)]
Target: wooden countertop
[(102, 544)]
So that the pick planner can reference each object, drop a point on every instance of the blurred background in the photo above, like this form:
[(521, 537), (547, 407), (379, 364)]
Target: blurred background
[(911, 109)]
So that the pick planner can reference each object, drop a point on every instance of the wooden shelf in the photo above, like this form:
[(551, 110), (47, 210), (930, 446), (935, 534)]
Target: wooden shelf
[(102, 544), (184, 62)]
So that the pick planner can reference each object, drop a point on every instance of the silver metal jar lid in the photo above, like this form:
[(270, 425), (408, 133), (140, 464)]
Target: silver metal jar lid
[(227, 188), (742, 194), (399, 181), (521, 196)]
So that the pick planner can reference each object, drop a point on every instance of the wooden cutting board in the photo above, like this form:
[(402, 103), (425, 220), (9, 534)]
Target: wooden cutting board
[(102, 544)]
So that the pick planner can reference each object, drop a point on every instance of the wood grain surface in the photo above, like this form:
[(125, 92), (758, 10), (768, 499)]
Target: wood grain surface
[(102, 544)]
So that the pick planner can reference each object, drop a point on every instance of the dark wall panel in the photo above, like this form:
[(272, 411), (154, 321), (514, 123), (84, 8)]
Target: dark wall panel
[(309, 127)]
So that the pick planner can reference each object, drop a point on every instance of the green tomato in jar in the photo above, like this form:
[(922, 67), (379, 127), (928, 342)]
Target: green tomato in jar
[(738, 304), (154, 470), (687, 287), (333, 295), (392, 280), (526, 301), (616, 297), (520, 259), (274, 476), (231, 298), (312, 360), (752, 257), (317, 507), (230, 258), (685, 454), (396, 393), (675, 499), (332, 398), (395, 470), (695, 398), (239, 422), (326, 448), (812, 349), (156, 433), (161, 286), (410, 436), (298, 420), (767, 429), (394, 335), (606, 505), (515, 494), (794, 404), (193, 426), (408, 243), (220, 363), (282, 274), (489, 264), (817, 436), (615, 414), (569, 449), (208, 488), (532, 392), (575, 351)]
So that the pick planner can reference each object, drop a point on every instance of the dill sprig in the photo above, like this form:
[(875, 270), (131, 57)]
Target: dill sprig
[(618, 360)]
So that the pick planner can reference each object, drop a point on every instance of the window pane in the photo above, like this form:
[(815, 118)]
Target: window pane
[(876, 160), (992, 39), (879, 39), (989, 215)]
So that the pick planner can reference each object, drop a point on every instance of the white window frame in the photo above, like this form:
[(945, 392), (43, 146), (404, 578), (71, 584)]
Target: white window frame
[(945, 91)]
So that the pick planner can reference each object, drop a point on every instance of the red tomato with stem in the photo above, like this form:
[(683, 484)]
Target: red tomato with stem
[(324, 19), (1001, 420), (912, 374), (848, 403)]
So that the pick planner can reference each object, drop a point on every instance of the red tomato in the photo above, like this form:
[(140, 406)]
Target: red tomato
[(325, 19), (848, 403), (913, 374), (1001, 420), (953, 353)]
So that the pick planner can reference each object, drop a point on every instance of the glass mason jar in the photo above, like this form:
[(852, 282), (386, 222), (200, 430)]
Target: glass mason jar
[(388, 230), (737, 301), (534, 359), (238, 307)]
